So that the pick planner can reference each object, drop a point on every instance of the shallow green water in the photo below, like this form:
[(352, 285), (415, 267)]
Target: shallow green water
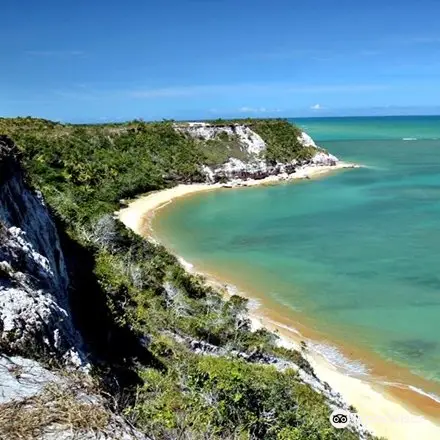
[(359, 251)]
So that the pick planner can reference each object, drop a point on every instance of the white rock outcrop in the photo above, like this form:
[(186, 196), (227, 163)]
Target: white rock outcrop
[(324, 159), (307, 140), (251, 141), (35, 317)]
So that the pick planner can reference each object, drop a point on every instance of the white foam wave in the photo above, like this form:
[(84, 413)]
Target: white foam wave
[(432, 396), (253, 304), (286, 327), (409, 139), (334, 356), (186, 264), (375, 167), (392, 384)]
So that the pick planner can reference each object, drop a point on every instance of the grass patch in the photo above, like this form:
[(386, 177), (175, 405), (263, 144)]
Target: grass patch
[(58, 406)]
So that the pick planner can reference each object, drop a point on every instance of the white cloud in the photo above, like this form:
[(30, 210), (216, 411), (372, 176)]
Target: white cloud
[(55, 53), (258, 110), (245, 91), (316, 107), (268, 89), (252, 110)]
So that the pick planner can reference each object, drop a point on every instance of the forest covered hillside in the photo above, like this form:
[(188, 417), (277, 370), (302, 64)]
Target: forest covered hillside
[(94, 166)]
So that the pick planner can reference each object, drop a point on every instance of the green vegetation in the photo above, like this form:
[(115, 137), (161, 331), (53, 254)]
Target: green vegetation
[(140, 312), (223, 147), (282, 141), (230, 398), (84, 171)]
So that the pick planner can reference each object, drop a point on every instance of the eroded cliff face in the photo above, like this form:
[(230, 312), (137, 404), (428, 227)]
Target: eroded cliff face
[(35, 317), (36, 327), (252, 146)]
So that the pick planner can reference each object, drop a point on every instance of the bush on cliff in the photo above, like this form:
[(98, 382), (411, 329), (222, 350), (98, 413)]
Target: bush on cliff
[(283, 141)]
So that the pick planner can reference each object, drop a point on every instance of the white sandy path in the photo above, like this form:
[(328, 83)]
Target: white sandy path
[(379, 412)]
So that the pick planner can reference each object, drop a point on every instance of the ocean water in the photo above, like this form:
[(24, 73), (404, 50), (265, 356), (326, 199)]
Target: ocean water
[(358, 251)]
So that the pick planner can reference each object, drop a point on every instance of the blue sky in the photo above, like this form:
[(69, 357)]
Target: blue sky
[(185, 59)]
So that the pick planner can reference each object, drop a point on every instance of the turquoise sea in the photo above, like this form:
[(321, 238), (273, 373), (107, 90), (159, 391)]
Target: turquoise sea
[(359, 251)]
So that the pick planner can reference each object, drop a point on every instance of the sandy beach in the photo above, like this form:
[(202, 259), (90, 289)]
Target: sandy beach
[(380, 411)]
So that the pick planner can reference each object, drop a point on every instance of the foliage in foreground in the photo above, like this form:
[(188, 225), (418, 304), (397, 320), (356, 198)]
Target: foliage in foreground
[(215, 397)]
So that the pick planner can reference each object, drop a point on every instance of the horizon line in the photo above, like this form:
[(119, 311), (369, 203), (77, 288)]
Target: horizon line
[(101, 121)]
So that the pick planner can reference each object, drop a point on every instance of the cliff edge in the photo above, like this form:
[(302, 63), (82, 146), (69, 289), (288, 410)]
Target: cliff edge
[(45, 391), (34, 311)]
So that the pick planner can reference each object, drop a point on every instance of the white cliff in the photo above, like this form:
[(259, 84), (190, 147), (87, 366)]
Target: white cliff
[(34, 310)]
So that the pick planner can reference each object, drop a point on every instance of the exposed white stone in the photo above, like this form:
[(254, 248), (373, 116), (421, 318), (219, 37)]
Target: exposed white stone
[(252, 142), (323, 158), (24, 213), (21, 378), (307, 140), (34, 308), (209, 174)]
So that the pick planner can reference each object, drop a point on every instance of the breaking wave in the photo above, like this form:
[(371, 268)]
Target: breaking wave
[(334, 356)]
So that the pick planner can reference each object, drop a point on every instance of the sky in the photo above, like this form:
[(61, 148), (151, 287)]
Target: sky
[(96, 61)]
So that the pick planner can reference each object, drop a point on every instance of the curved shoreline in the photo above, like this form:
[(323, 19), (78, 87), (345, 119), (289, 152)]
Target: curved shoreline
[(379, 409), (135, 217)]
